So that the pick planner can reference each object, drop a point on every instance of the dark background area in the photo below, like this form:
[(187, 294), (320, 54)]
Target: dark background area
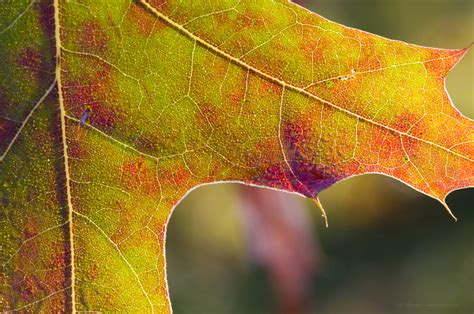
[(388, 248)]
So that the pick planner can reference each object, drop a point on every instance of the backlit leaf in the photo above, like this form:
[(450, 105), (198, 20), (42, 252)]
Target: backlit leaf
[(111, 111)]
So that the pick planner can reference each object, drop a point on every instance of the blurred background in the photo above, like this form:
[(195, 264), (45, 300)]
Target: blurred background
[(388, 248)]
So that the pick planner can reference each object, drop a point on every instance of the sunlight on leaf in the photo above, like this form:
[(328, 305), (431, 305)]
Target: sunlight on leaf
[(184, 93)]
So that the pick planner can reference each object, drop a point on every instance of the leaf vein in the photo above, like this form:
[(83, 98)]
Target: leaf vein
[(281, 82)]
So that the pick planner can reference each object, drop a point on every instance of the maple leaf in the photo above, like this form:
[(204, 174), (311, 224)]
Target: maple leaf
[(110, 112)]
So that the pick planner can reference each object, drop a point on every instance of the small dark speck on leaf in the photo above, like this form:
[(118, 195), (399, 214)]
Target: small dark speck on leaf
[(84, 117)]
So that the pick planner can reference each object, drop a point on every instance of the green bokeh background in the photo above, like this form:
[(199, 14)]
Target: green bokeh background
[(388, 249)]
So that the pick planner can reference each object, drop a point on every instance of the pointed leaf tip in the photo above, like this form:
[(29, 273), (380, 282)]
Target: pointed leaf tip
[(321, 208), (449, 211)]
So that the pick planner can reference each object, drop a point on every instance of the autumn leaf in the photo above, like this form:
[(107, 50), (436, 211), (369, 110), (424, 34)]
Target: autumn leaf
[(111, 111)]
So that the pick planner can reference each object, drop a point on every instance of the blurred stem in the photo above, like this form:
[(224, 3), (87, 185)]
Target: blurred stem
[(281, 240)]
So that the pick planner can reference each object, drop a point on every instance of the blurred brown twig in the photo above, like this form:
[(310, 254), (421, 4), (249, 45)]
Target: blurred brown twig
[(281, 240)]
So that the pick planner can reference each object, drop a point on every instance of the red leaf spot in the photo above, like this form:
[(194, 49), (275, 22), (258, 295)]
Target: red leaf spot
[(208, 114), (103, 116), (133, 167), (79, 95), (28, 288), (411, 146), (92, 37), (58, 261), (222, 19), (95, 96), (267, 88), (236, 97), (178, 177), (32, 61), (76, 149), (369, 59), (405, 121), (93, 272), (249, 20), (137, 176), (276, 176), (146, 24)]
